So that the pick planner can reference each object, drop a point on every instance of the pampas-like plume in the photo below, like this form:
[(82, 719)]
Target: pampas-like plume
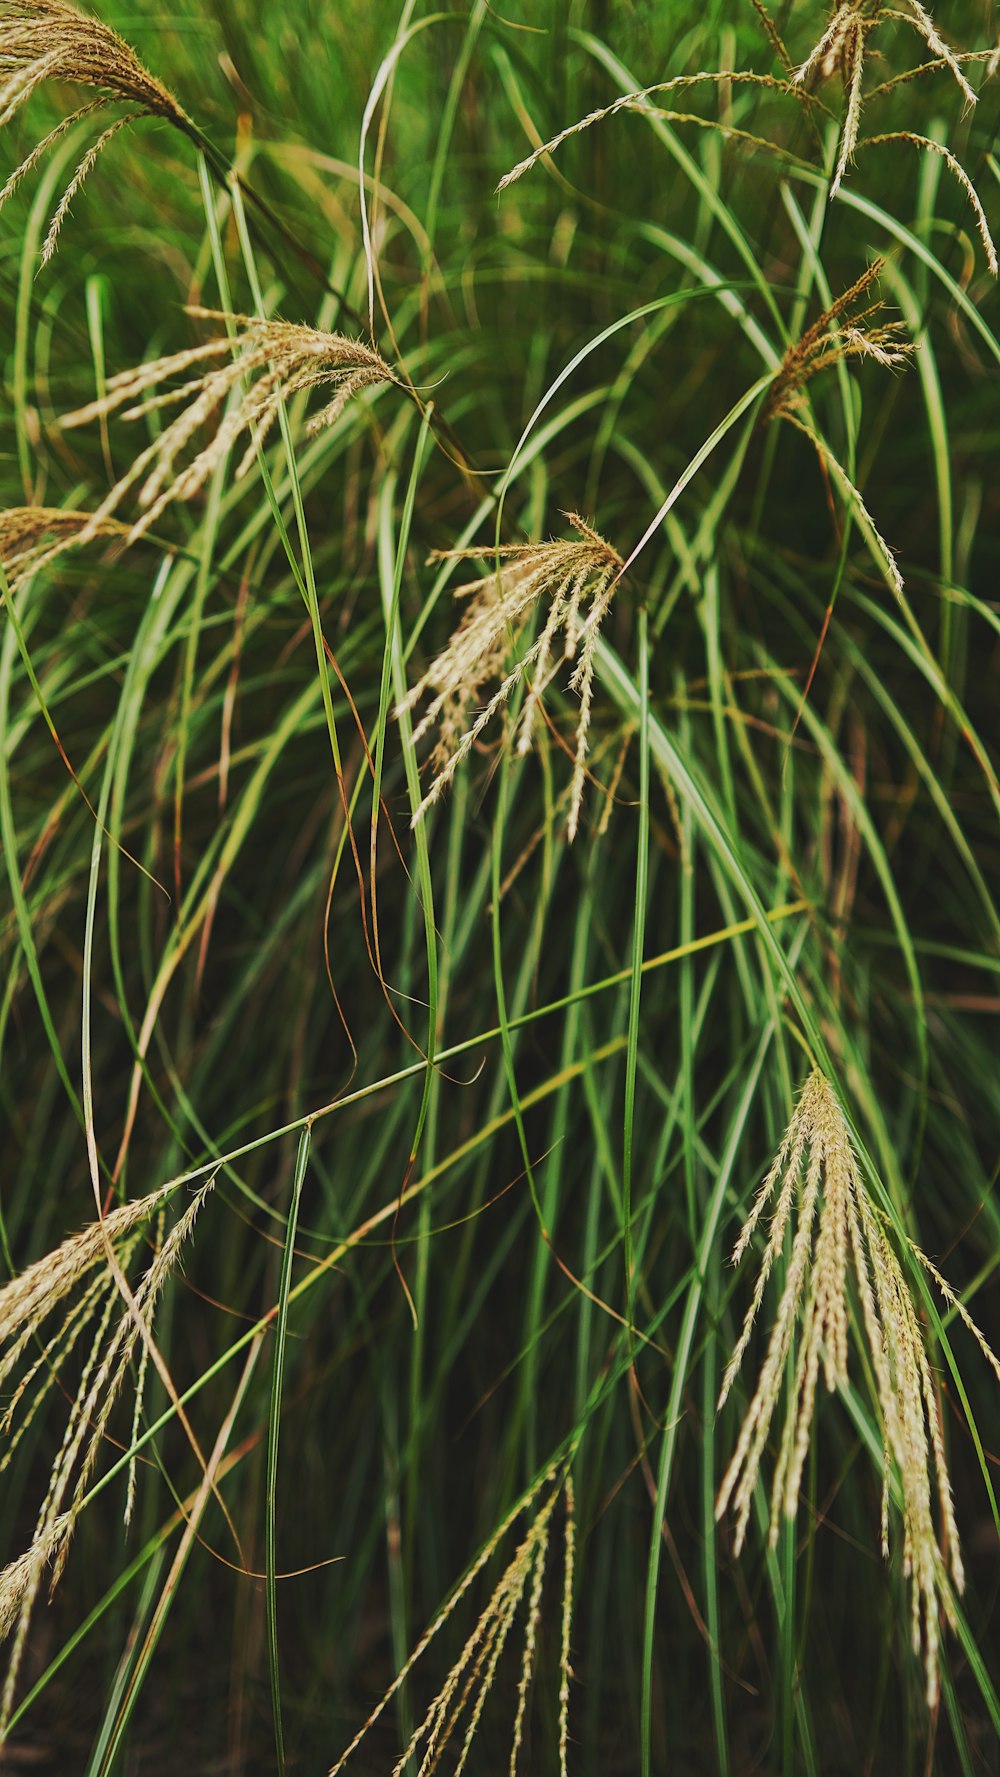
[(640, 101), (929, 146), (470, 1680), (837, 1232), (30, 536), (273, 359), (841, 49), (26, 1304), (500, 607), (837, 334), (42, 40)]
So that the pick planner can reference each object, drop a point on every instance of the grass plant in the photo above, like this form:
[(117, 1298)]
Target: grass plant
[(498, 650)]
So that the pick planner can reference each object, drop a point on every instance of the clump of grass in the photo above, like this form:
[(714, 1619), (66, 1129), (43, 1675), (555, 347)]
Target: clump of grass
[(273, 360), (840, 50), (27, 1303), (603, 1034), (49, 40), (837, 1233), (471, 1678), (557, 576)]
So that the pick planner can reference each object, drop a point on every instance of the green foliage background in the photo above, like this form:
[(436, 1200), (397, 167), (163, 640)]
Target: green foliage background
[(836, 852)]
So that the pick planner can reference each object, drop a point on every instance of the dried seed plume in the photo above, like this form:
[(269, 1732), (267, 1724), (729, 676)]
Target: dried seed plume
[(31, 536), (841, 50), (472, 679), (459, 1704), (49, 40), (817, 1199), (838, 334), (76, 1284), (249, 370)]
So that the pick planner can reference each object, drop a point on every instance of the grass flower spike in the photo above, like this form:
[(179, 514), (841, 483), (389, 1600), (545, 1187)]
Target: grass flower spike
[(77, 1279), (462, 1697), (560, 576), (272, 360), (30, 536), (836, 1234), (835, 335), (841, 49), (43, 40)]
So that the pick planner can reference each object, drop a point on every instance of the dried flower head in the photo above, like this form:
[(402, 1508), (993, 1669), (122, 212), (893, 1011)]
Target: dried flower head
[(269, 360), (837, 334), (30, 536), (834, 335), (640, 101), (841, 50), (927, 145), (77, 1279), (42, 40), (463, 1695), (563, 575), (838, 1233)]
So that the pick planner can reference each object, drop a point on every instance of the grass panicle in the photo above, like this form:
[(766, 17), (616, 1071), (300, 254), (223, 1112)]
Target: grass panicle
[(45, 41), (25, 1305), (472, 680), (841, 50), (30, 1298), (460, 1702), (32, 536), (268, 360), (818, 1200), (835, 335)]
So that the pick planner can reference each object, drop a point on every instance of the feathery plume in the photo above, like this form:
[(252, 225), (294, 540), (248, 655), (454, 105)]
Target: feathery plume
[(31, 536), (841, 49), (838, 334), (835, 1234), (26, 1303), (43, 40), (274, 360), (470, 1680), (500, 607)]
